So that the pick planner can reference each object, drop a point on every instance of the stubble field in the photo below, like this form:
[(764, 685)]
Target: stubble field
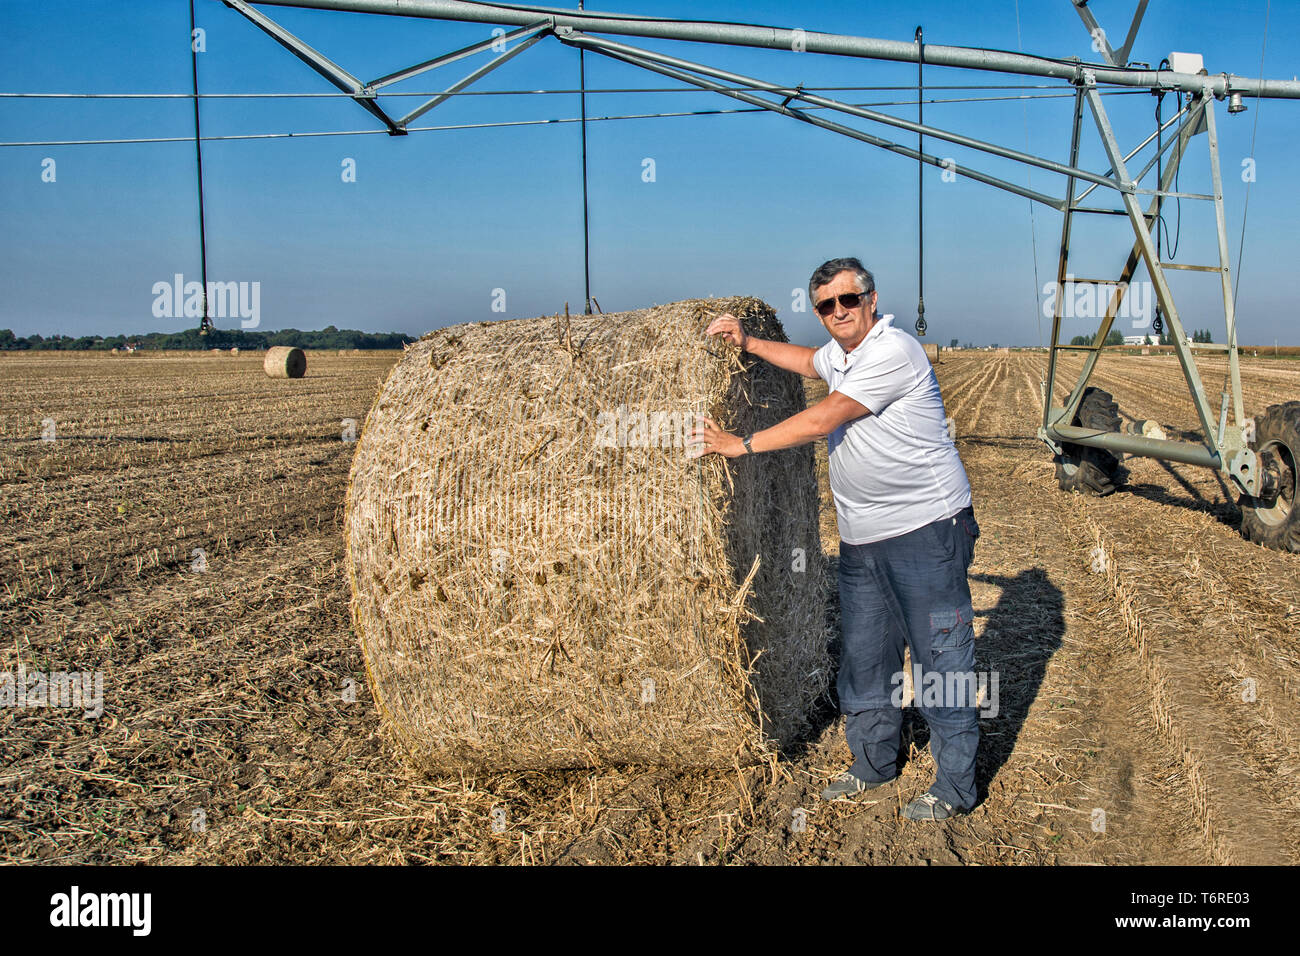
[(175, 522)]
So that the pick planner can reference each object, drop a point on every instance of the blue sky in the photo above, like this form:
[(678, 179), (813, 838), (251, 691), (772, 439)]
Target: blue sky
[(740, 204)]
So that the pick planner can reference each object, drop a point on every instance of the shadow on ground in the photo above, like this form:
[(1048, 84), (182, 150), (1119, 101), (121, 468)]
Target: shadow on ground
[(1224, 511)]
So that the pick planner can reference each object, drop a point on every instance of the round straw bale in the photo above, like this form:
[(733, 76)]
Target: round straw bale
[(542, 578), (284, 362), (1147, 428), (234, 350)]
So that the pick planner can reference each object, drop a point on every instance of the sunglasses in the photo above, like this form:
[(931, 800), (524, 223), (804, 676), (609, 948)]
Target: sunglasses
[(850, 300)]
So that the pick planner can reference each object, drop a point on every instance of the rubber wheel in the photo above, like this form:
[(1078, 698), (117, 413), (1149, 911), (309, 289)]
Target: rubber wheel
[(1274, 521), (1091, 471)]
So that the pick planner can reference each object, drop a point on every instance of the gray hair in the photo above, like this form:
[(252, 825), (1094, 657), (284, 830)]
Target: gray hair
[(832, 267)]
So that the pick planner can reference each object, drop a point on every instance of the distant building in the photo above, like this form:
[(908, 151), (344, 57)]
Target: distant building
[(1135, 340)]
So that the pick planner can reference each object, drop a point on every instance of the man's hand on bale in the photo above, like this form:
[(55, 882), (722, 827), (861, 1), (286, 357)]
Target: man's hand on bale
[(708, 439), (728, 326)]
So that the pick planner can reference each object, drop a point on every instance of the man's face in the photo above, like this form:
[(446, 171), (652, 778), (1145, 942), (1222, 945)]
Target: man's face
[(848, 327)]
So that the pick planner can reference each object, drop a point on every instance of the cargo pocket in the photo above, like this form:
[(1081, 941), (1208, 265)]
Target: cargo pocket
[(952, 639)]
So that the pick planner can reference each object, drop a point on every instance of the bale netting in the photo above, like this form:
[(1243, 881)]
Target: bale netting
[(541, 578), (284, 362)]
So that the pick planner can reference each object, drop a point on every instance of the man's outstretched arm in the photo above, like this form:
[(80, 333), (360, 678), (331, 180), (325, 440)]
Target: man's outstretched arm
[(809, 425), (792, 358)]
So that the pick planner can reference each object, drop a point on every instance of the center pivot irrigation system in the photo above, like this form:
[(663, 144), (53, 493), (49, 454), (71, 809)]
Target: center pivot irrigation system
[(1257, 457)]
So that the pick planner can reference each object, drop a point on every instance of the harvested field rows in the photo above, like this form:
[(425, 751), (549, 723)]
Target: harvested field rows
[(1209, 616), (1149, 658)]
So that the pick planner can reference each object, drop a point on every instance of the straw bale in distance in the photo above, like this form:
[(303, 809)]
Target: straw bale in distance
[(931, 351), (284, 362), (541, 578)]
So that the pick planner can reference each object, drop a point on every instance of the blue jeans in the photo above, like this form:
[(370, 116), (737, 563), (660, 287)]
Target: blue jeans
[(911, 590)]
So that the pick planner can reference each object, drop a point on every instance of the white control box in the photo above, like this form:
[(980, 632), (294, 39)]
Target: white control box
[(1186, 62)]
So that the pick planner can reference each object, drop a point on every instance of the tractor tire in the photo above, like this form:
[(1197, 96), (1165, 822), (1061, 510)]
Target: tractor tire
[(1274, 520), (1091, 471)]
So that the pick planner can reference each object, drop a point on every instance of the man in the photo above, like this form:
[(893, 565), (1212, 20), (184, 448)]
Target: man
[(907, 529)]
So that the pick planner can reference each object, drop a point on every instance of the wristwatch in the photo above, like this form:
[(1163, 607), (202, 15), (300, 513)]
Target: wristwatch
[(749, 449)]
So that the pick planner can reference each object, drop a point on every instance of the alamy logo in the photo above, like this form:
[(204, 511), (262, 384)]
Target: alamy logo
[(623, 428), (103, 909), (226, 300), (83, 690), (1090, 300), (952, 689)]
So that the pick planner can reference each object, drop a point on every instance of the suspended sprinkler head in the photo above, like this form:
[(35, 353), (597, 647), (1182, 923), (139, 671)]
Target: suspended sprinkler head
[(1235, 105)]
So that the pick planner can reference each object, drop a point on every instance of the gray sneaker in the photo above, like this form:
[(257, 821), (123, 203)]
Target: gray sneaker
[(927, 808), (846, 785)]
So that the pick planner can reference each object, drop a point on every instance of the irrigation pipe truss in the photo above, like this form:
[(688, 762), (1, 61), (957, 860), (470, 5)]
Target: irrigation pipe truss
[(779, 38)]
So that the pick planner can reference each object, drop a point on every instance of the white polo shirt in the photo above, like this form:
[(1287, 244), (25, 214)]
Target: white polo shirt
[(895, 470)]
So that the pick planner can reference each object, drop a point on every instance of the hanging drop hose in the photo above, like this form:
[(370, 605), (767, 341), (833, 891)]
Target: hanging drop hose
[(586, 222), (205, 323), (920, 190), (1158, 323), (1162, 227)]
